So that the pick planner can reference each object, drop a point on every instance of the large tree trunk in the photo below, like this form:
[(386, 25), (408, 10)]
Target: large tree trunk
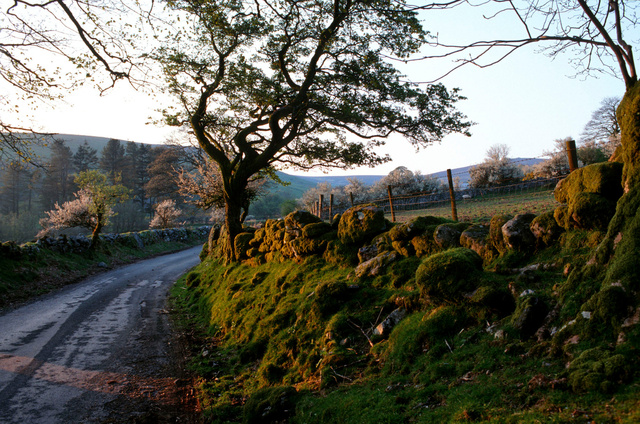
[(95, 235), (233, 227)]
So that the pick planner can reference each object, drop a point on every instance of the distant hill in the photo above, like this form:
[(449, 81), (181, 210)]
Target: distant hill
[(298, 183)]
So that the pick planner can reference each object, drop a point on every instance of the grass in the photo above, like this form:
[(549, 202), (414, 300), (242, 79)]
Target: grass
[(261, 329)]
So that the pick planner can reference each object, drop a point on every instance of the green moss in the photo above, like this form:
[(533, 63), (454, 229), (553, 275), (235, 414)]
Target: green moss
[(449, 274), (546, 229), (316, 229), (270, 405), (591, 211), (603, 178), (495, 232), (598, 370)]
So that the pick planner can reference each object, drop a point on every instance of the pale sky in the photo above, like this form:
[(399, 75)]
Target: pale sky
[(525, 102)]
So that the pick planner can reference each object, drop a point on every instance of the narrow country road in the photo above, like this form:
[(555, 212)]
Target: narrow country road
[(95, 352)]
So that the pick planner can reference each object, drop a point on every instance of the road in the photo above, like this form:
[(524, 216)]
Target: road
[(98, 351)]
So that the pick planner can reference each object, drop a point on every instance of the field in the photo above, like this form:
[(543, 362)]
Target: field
[(480, 210)]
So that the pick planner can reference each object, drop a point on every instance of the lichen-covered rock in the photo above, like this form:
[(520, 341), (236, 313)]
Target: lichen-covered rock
[(273, 239), (296, 221), (495, 232), (316, 229), (476, 238), (303, 246), (241, 244), (450, 274), (545, 229), (360, 224), (448, 235), (414, 227), (517, 233), (375, 266), (603, 178)]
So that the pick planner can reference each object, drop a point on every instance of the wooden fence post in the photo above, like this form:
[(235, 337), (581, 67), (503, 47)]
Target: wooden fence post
[(452, 195), (351, 197), (393, 214), (320, 203), (572, 155), (315, 208)]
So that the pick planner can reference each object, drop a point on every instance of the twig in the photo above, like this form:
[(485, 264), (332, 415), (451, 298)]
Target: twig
[(362, 331), (451, 350), (340, 375)]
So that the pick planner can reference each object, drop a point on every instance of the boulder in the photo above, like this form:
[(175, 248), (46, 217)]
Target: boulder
[(374, 266), (517, 233), (414, 227), (360, 224), (296, 221), (476, 238), (495, 232), (604, 179), (545, 229), (447, 236)]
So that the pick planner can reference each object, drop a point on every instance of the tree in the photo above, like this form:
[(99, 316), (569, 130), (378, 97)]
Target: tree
[(91, 209), (112, 160), (85, 157), (603, 123), (298, 83), (163, 174), (57, 185), (496, 169), (166, 215)]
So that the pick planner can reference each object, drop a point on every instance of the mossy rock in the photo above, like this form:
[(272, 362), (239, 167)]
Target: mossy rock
[(242, 243), (450, 274), (529, 315), (10, 250), (338, 253), (270, 405), (598, 370), (591, 211), (316, 229), (563, 217), (517, 234), (298, 219), (360, 224), (603, 178), (448, 235), (403, 247), (476, 238), (608, 309), (414, 227), (545, 229), (495, 232)]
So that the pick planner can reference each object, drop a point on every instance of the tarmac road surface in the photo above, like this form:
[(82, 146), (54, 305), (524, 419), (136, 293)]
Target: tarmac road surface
[(97, 351)]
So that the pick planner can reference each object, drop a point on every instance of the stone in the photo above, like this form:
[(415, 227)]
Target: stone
[(517, 233), (476, 238), (447, 236), (360, 224), (384, 328), (374, 266)]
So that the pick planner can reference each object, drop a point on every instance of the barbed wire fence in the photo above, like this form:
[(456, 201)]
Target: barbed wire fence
[(476, 204)]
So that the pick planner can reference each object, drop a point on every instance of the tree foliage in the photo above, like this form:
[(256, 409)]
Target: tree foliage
[(91, 209), (298, 83), (166, 215), (496, 169)]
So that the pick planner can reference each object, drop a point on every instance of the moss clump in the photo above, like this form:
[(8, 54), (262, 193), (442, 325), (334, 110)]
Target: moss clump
[(330, 297), (529, 315), (270, 405), (360, 224), (598, 370), (449, 274), (494, 299)]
